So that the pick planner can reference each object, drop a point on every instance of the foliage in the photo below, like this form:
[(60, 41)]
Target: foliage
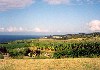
[(17, 53), (1, 56), (82, 49), (79, 47)]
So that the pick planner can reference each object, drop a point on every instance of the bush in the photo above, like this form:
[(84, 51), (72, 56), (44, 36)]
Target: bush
[(17, 53), (57, 55), (81, 49), (1, 56)]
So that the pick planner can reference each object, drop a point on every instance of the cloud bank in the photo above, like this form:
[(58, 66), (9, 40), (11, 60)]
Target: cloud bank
[(14, 29), (39, 30), (12, 4), (21, 29), (71, 2), (56, 2), (94, 25), (1, 29)]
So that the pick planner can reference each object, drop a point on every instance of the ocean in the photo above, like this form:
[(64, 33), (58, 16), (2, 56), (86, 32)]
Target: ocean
[(7, 38)]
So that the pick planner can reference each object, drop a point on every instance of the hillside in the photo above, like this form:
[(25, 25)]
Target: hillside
[(51, 48)]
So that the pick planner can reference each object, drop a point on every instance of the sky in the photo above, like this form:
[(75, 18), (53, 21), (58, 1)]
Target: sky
[(49, 16)]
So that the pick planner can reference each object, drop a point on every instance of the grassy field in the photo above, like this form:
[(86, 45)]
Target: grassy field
[(51, 64)]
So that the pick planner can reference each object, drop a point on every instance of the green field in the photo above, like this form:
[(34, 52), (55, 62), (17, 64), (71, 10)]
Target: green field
[(51, 54), (51, 48)]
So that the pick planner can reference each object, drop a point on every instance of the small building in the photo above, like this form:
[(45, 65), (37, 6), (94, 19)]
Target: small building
[(57, 36), (45, 37)]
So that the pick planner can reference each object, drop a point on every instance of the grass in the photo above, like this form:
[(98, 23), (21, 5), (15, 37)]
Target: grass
[(51, 64)]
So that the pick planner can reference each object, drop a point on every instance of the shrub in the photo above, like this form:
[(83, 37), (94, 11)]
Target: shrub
[(1, 56), (17, 53), (57, 55)]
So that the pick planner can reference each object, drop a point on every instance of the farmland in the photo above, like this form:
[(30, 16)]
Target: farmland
[(51, 54), (51, 48)]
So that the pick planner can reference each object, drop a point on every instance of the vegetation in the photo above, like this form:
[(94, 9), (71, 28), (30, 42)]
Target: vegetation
[(1, 56), (88, 46), (75, 36)]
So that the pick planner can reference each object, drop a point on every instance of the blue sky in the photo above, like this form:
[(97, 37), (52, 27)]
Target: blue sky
[(49, 16)]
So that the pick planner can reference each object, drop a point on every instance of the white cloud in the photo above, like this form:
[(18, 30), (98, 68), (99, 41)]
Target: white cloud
[(1, 29), (56, 2), (21, 29), (39, 30), (12, 4), (71, 2), (58, 31), (14, 29), (94, 25)]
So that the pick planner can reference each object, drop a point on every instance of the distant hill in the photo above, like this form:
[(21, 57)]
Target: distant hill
[(70, 36)]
